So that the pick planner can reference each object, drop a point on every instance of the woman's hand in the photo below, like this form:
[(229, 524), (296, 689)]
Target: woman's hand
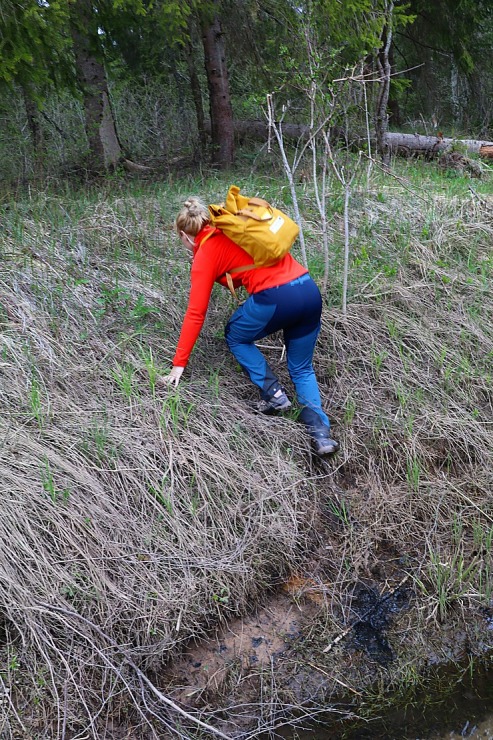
[(173, 378)]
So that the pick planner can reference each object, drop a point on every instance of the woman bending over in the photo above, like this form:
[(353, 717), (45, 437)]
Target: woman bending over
[(282, 297)]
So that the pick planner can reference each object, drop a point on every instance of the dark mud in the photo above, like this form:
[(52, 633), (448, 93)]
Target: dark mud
[(375, 611)]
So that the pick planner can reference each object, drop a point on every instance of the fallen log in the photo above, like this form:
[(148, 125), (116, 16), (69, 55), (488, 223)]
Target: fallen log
[(403, 144), (431, 145), (135, 167)]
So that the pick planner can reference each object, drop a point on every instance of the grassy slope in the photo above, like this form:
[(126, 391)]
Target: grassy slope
[(140, 517)]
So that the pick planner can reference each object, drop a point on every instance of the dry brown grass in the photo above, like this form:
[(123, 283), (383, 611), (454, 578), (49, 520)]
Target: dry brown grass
[(134, 519), (409, 373), (150, 515)]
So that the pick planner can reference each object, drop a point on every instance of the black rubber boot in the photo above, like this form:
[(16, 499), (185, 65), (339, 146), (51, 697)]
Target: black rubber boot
[(322, 442)]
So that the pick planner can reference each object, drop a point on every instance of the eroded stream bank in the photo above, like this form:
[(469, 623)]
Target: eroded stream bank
[(287, 664)]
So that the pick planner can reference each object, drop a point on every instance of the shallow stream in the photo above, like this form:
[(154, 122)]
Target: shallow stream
[(450, 710)]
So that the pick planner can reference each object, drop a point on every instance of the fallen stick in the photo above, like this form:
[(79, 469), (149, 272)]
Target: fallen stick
[(164, 699)]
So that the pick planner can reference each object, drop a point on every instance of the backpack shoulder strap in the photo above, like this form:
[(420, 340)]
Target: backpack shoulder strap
[(229, 279), (214, 230), (228, 274)]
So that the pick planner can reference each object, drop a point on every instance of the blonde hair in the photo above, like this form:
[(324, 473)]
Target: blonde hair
[(193, 216)]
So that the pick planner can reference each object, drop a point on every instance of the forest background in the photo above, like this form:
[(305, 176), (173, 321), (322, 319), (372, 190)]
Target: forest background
[(137, 522), (92, 84)]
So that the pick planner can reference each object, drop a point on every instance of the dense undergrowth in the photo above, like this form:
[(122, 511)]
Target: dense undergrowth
[(134, 519)]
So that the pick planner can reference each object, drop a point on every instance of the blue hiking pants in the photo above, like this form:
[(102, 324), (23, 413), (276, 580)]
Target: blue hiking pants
[(295, 308)]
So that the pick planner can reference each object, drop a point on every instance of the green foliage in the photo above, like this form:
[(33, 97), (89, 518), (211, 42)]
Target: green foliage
[(124, 376), (34, 45), (445, 54), (147, 34), (332, 35), (49, 486), (452, 25), (35, 401), (449, 579), (148, 45)]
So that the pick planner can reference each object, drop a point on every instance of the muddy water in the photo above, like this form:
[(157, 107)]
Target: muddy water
[(451, 710), (456, 704)]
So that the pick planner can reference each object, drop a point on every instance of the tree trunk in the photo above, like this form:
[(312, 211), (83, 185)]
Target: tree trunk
[(454, 92), (221, 111), (104, 147), (257, 129), (393, 102), (384, 70), (196, 95), (33, 122)]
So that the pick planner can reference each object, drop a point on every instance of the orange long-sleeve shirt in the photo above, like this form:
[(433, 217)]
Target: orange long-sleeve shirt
[(215, 257)]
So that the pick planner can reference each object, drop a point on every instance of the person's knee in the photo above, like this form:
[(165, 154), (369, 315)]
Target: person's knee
[(236, 344)]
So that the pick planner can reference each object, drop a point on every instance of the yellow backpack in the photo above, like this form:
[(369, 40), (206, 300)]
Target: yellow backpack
[(265, 232)]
